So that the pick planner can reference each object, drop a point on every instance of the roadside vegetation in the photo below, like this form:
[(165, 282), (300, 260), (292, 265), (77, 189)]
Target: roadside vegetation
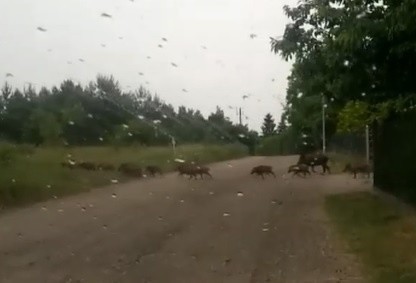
[(381, 232), (32, 174)]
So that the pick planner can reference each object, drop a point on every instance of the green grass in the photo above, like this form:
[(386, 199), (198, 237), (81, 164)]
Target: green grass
[(380, 232), (37, 175)]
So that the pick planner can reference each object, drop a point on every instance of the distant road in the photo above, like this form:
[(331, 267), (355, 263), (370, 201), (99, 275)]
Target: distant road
[(233, 228)]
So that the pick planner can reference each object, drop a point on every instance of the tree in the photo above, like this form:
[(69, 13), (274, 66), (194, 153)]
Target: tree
[(269, 125), (100, 113), (347, 51), (282, 125)]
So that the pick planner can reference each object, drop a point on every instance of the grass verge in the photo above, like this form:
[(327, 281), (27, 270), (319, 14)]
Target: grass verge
[(37, 174), (382, 233)]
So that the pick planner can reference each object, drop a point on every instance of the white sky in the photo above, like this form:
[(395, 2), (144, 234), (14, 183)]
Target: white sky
[(233, 64)]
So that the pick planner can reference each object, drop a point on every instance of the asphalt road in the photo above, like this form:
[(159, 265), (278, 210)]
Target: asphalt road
[(233, 228)]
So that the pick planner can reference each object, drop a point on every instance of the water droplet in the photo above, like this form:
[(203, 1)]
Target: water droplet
[(229, 165), (225, 214), (105, 227), (44, 208), (95, 217), (300, 94), (164, 116), (157, 121), (55, 197), (211, 193), (373, 86), (20, 235), (240, 194), (160, 218), (91, 205), (114, 195), (374, 67), (182, 201), (325, 105), (90, 115), (48, 186), (332, 99), (69, 155), (114, 181), (150, 194), (242, 135), (140, 117), (265, 229), (60, 210), (361, 15), (130, 134), (125, 126), (363, 94), (167, 197), (13, 181), (179, 160), (100, 138), (83, 209), (346, 63), (71, 123)]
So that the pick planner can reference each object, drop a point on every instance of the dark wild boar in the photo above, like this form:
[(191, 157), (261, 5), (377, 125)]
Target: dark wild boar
[(299, 169), (90, 166), (130, 169), (106, 166), (203, 170), (360, 168), (152, 170), (262, 170), (315, 159)]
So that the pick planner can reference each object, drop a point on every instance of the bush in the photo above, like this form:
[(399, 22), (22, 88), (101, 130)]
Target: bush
[(281, 144), (8, 153)]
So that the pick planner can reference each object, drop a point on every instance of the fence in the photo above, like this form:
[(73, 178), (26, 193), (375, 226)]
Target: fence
[(395, 155)]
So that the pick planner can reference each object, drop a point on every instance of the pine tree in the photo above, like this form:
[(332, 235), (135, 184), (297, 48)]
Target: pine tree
[(269, 126)]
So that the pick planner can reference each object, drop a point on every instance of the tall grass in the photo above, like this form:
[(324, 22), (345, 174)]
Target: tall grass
[(380, 232), (32, 175)]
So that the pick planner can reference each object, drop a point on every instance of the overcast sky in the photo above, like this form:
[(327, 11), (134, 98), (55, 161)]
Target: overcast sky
[(232, 65)]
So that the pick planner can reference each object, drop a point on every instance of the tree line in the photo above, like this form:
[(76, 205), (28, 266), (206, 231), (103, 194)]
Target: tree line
[(100, 113)]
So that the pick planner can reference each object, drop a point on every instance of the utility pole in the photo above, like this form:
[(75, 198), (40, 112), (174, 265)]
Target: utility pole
[(367, 144), (239, 116), (323, 125)]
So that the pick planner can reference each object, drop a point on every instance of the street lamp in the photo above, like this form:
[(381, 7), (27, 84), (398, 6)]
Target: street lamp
[(323, 125)]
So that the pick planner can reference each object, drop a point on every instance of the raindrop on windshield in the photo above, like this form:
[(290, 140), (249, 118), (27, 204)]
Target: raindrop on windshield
[(225, 214), (71, 123), (240, 194), (300, 94), (346, 63), (105, 15), (113, 195)]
